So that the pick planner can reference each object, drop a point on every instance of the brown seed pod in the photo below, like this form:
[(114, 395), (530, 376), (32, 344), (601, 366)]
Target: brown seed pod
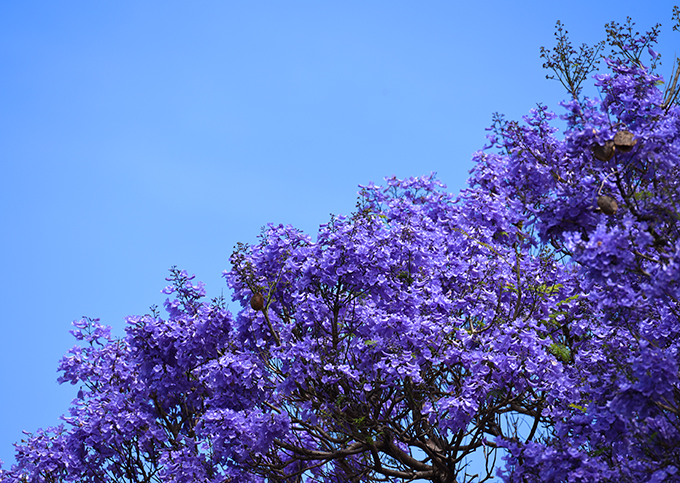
[(624, 141), (607, 204), (604, 153), (257, 301)]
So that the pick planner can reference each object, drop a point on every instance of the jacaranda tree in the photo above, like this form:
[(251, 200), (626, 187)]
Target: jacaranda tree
[(528, 325)]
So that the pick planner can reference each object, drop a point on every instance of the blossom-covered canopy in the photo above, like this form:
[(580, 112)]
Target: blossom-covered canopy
[(533, 318)]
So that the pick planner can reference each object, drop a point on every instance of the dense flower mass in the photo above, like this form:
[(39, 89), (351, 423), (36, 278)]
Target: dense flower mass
[(607, 198), (405, 338), (533, 319)]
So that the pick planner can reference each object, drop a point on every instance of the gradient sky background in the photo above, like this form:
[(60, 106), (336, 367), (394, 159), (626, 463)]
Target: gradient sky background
[(139, 135)]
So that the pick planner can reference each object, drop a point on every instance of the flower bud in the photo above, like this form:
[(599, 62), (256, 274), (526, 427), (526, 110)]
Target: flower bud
[(607, 204), (257, 301)]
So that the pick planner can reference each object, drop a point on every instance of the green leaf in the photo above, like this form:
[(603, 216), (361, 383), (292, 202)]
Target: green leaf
[(568, 299), (643, 195), (576, 406), (560, 351)]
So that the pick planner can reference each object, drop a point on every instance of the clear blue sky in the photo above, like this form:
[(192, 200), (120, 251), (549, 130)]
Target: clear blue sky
[(139, 135)]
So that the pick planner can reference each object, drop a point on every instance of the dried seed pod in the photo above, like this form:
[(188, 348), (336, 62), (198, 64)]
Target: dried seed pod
[(624, 141), (257, 301), (604, 153), (607, 204)]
